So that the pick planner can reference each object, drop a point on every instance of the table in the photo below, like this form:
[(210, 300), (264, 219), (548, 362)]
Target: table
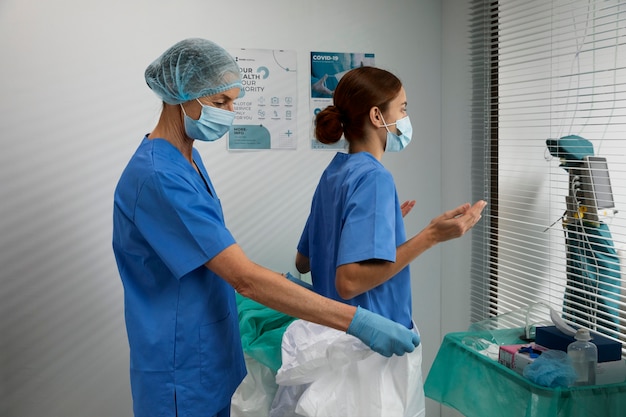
[(478, 386)]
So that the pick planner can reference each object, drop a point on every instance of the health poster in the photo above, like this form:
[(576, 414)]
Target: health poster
[(327, 68), (266, 114)]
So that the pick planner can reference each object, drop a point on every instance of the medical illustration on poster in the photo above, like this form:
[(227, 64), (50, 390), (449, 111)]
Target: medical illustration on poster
[(327, 68), (266, 114)]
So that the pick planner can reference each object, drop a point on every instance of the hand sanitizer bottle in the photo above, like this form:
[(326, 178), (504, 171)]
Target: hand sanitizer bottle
[(584, 355)]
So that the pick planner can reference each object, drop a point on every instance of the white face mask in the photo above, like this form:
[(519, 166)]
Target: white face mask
[(212, 124), (396, 143)]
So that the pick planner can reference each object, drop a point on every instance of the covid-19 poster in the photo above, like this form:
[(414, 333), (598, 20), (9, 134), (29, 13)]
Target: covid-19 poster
[(327, 68), (266, 114)]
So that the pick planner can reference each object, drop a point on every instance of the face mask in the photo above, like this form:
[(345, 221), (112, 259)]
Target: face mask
[(396, 143), (212, 124)]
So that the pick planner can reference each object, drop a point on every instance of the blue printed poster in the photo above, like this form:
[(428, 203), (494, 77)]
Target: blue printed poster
[(266, 114), (327, 68)]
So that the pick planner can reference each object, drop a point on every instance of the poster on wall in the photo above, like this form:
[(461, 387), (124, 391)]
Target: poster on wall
[(266, 114), (327, 68)]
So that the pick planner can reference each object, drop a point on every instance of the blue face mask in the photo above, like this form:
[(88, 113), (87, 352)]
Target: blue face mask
[(396, 143), (212, 124)]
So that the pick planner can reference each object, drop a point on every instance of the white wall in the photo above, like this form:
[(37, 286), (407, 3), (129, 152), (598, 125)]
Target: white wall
[(74, 106), (456, 154), (456, 150)]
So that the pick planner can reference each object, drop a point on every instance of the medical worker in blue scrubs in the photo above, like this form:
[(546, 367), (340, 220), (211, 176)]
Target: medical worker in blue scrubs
[(179, 264), (354, 242)]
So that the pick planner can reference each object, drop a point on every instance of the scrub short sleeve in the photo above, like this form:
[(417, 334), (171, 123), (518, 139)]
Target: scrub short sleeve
[(303, 245), (369, 230), (183, 224)]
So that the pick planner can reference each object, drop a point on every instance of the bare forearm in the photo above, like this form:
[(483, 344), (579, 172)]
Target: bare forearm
[(275, 291), (302, 263), (357, 278)]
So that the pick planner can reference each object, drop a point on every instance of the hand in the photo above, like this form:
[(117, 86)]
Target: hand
[(406, 207), (320, 86), (382, 335), (298, 281), (455, 223)]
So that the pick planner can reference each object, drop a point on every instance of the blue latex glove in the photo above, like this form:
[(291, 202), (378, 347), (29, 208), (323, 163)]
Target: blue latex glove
[(382, 335), (298, 281)]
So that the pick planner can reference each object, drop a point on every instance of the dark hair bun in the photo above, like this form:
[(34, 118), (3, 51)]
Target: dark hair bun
[(328, 126)]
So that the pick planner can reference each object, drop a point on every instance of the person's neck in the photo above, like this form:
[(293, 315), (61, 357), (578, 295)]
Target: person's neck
[(172, 129), (371, 144)]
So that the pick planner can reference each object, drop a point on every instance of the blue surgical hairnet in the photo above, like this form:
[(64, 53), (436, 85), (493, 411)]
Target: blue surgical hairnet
[(192, 68)]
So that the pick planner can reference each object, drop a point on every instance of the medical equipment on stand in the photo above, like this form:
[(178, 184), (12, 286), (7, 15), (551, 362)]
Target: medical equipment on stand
[(593, 267)]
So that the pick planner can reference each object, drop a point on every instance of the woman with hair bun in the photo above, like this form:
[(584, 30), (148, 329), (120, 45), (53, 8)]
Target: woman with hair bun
[(354, 242)]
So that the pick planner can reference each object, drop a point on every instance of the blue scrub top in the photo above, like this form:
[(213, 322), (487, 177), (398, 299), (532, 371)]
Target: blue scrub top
[(355, 216), (181, 318)]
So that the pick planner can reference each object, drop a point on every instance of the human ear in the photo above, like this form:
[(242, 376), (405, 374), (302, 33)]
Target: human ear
[(375, 117), (192, 108)]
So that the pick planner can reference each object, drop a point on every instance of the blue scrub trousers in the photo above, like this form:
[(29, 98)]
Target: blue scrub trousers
[(225, 412)]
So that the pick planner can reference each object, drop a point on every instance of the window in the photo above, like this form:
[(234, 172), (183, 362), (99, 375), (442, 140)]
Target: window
[(550, 157)]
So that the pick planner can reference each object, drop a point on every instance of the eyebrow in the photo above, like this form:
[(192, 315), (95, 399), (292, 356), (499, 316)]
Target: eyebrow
[(221, 96), (216, 98)]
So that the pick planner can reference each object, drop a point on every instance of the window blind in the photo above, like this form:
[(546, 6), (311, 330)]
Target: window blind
[(549, 140)]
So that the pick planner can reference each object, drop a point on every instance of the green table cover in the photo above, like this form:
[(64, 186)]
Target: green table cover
[(478, 386)]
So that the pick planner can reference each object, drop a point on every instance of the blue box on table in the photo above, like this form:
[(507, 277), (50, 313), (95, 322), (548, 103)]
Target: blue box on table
[(552, 338)]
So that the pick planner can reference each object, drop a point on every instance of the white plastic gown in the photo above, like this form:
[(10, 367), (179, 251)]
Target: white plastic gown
[(327, 373)]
